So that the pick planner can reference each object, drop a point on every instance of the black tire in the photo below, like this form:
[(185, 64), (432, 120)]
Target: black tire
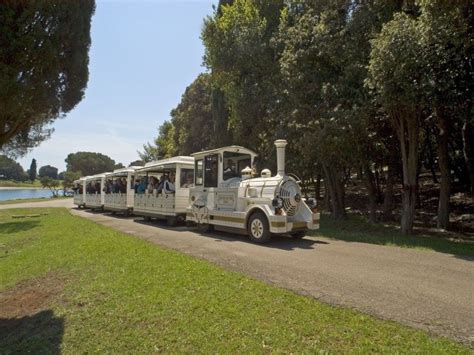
[(299, 234), (171, 221), (205, 227), (258, 229)]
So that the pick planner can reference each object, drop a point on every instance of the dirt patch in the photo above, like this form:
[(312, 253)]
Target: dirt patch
[(30, 297)]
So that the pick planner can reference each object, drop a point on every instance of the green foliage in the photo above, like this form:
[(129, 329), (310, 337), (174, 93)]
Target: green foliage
[(32, 173), (355, 86), (397, 86), (244, 66), (137, 163), (10, 169), (192, 118), (162, 147), (89, 163), (51, 184), (141, 298), (49, 171), (69, 178), (44, 57), (18, 184)]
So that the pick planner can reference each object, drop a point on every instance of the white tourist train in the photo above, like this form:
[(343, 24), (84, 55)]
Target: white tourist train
[(227, 196), (95, 196), (119, 190), (215, 189), (162, 189), (79, 186)]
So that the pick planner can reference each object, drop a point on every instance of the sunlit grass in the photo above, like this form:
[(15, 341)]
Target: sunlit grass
[(124, 295)]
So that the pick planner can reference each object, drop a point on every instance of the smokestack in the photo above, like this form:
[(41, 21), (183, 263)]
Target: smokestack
[(280, 145)]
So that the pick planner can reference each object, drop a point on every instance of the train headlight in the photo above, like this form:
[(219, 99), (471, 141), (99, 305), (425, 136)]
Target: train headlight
[(312, 202), (277, 202)]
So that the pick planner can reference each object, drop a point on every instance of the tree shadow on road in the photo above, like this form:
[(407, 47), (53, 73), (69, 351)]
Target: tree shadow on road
[(277, 241), (356, 229)]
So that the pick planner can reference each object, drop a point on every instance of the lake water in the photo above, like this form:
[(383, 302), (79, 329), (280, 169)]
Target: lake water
[(24, 193)]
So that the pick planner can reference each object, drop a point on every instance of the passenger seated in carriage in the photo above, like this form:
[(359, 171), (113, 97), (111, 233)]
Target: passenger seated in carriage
[(188, 181), (140, 186), (123, 185), (168, 186), (153, 185)]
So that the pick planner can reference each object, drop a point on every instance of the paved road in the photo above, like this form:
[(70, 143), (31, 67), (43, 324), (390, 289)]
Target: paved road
[(50, 203), (423, 289)]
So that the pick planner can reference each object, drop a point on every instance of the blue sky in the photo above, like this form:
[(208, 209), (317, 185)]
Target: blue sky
[(143, 56)]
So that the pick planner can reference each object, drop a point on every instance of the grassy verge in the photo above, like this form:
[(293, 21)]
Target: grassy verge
[(356, 229), (124, 295), (13, 183), (38, 199)]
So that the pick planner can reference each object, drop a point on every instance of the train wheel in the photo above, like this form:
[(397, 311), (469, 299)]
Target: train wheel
[(299, 234), (205, 227), (171, 221), (258, 229)]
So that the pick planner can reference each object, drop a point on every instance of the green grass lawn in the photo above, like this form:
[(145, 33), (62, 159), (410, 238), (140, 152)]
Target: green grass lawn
[(356, 229), (13, 183), (38, 199), (125, 295)]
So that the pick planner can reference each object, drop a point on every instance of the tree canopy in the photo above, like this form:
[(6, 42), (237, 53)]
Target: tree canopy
[(10, 169), (89, 163), (44, 57), (372, 90), (49, 171)]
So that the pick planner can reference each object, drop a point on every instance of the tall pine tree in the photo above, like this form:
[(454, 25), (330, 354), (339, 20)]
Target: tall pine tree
[(32, 172)]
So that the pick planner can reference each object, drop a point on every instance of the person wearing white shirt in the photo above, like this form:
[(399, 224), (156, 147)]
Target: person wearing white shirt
[(169, 187)]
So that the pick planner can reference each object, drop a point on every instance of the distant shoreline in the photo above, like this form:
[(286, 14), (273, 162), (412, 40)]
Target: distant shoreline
[(20, 188)]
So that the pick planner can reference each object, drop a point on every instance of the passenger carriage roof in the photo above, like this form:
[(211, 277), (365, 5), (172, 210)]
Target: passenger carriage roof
[(123, 171), (169, 163), (97, 176), (231, 148)]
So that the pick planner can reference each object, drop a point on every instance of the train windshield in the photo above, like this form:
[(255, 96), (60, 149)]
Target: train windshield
[(234, 163)]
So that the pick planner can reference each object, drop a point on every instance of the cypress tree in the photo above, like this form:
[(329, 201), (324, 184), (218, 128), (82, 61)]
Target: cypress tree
[(32, 171)]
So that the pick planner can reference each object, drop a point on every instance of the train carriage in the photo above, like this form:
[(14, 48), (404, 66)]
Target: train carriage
[(154, 199), (94, 196), (79, 187), (227, 196), (119, 190)]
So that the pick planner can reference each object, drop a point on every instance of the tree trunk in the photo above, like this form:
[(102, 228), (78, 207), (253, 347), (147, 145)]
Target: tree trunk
[(443, 159), (408, 131), (431, 156), (370, 185), (468, 150), (317, 187), (336, 192), (388, 195)]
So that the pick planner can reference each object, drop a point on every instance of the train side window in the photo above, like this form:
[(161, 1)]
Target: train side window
[(187, 178), (198, 168), (210, 170)]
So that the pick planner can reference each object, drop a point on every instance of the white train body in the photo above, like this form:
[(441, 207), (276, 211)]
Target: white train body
[(79, 187), (120, 200), (94, 199), (255, 206), (162, 204)]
